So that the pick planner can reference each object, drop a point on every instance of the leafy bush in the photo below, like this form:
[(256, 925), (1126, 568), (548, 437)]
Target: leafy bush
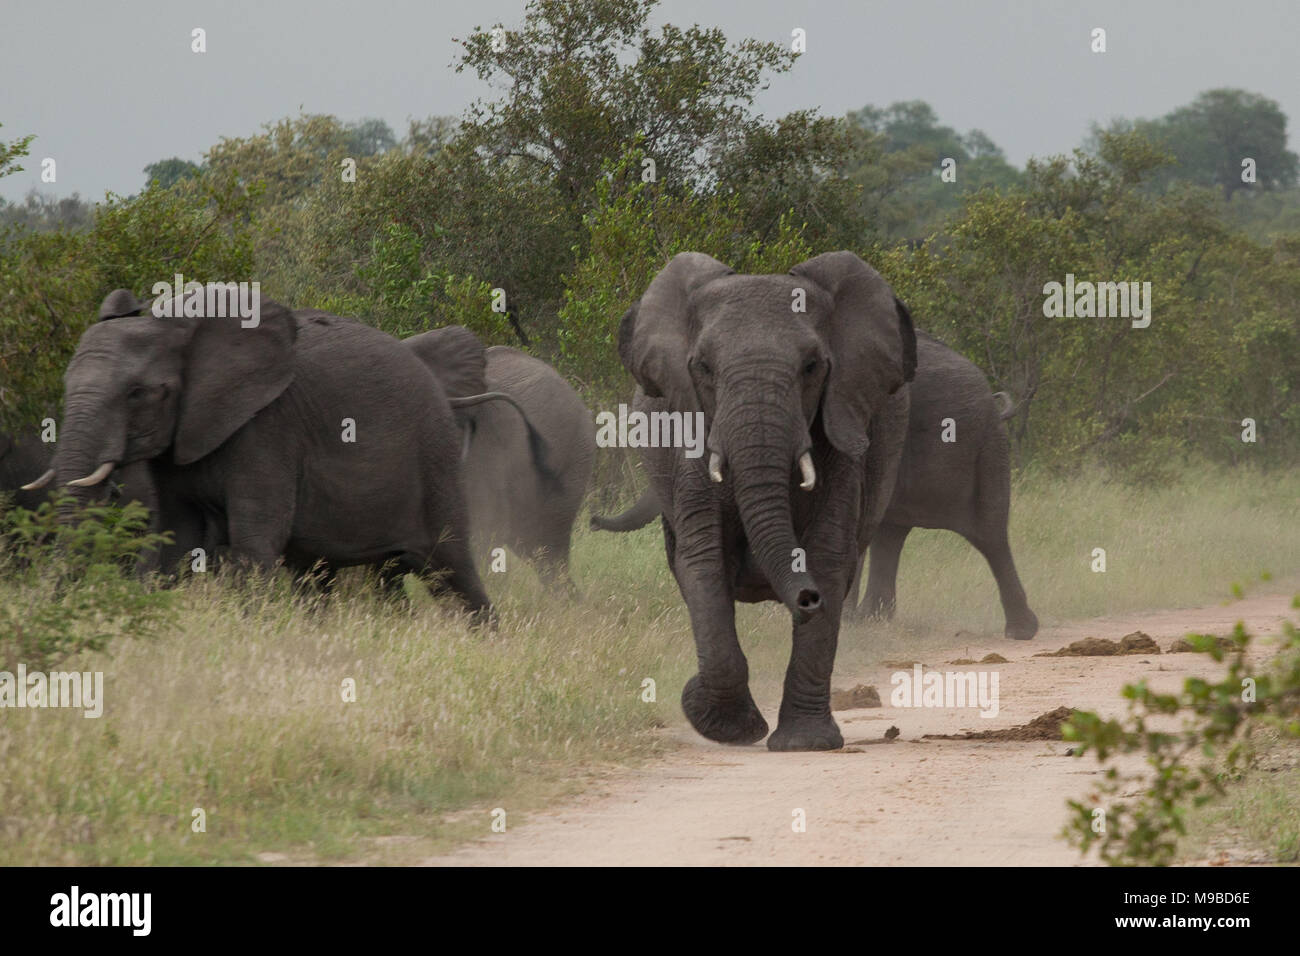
[(51, 284), (1221, 718), (73, 585)]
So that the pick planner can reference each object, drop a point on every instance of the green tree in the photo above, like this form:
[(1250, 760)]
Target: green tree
[(896, 159), (12, 152), (51, 283), (168, 172), (1211, 136)]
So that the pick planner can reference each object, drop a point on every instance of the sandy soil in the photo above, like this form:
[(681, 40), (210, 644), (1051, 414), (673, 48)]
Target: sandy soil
[(905, 802)]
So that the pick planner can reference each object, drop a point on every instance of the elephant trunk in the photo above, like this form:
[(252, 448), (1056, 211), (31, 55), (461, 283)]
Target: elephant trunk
[(89, 448), (762, 440)]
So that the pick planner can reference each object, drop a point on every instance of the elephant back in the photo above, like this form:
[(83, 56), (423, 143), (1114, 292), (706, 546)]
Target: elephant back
[(455, 355)]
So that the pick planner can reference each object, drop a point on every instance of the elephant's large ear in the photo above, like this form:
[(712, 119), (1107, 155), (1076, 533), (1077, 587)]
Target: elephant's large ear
[(456, 356), (654, 338), (230, 374), (871, 343)]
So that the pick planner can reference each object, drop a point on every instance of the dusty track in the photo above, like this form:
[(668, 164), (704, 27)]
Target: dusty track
[(908, 802)]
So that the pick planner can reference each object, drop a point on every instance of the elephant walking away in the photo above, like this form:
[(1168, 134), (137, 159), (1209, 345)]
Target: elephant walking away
[(300, 438), (527, 467), (963, 485)]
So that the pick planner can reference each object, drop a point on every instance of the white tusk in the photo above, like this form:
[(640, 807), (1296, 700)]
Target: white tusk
[(40, 482), (95, 477), (807, 471), (715, 467)]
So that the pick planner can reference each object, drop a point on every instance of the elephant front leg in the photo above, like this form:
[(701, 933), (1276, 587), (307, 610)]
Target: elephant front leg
[(260, 524), (716, 700), (805, 721)]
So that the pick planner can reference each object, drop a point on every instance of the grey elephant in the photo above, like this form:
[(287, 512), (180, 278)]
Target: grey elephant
[(961, 485), (277, 436), (802, 383), (527, 467), (26, 455)]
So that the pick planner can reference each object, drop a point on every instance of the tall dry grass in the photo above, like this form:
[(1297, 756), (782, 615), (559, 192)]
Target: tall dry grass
[(239, 711)]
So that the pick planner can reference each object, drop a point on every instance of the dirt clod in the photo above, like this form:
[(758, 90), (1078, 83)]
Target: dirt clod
[(891, 733), (860, 696), (986, 659), (1043, 727), (1135, 643)]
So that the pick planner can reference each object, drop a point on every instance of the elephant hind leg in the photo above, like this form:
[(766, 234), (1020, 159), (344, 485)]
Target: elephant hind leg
[(1021, 622), (882, 577), (452, 558)]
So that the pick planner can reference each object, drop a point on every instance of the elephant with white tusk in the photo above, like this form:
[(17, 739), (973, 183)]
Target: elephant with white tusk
[(302, 438), (806, 414), (963, 485)]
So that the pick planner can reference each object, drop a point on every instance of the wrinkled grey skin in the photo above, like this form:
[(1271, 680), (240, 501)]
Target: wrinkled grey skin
[(513, 500), (24, 459), (962, 486), (773, 384), (527, 467), (242, 432)]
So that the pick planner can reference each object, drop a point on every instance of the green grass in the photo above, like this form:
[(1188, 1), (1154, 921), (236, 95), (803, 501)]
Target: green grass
[(239, 712), (1257, 819)]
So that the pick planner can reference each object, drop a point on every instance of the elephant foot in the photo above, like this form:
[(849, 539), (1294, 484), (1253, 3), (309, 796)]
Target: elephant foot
[(806, 733), (1023, 628), (727, 718), (875, 608)]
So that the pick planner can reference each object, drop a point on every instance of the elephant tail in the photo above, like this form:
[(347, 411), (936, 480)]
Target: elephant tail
[(1007, 408), (639, 515), (537, 445)]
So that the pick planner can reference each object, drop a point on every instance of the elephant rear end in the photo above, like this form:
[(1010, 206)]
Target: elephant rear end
[(512, 500)]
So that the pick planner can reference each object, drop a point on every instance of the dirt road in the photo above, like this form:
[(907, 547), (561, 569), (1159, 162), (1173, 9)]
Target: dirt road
[(907, 802)]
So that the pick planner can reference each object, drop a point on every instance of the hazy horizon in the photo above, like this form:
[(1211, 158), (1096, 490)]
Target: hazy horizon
[(109, 90)]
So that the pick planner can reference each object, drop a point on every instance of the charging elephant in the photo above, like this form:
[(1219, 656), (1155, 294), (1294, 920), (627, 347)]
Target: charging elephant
[(527, 467), (961, 485), (275, 436), (801, 373)]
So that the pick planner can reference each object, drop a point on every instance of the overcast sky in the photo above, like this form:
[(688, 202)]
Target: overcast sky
[(110, 87)]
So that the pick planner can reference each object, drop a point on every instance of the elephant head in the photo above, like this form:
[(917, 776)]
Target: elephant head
[(141, 387), (781, 366)]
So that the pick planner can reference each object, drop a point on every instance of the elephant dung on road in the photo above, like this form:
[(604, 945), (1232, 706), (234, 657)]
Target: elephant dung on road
[(527, 467)]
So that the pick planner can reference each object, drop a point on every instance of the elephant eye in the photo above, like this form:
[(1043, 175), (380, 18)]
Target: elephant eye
[(704, 367), (810, 366), (136, 393)]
